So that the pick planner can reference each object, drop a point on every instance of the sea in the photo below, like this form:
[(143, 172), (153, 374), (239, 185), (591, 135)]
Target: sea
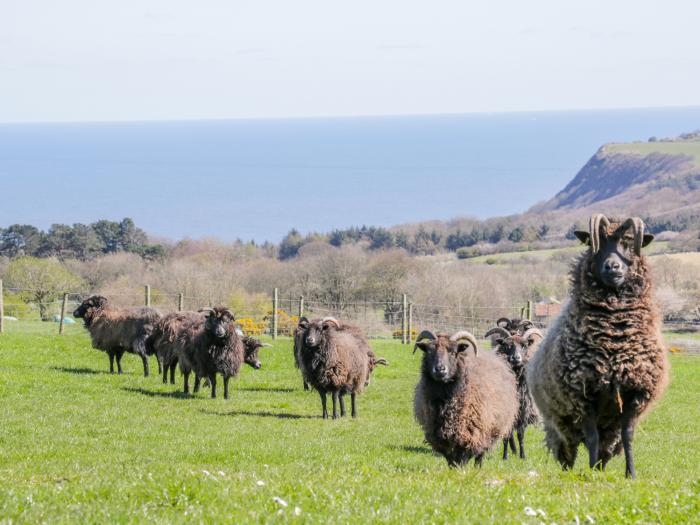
[(257, 179)]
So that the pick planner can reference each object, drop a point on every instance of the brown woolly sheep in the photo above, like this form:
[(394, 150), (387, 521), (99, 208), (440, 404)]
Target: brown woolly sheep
[(333, 357), (165, 342), (252, 348), (117, 330), (464, 403), (603, 363), (210, 348), (517, 350)]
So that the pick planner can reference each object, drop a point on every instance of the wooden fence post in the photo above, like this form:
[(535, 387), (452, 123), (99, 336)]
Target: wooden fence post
[(180, 302), (275, 305), (529, 310), (2, 309), (410, 322), (404, 320), (148, 295), (63, 313), (301, 306)]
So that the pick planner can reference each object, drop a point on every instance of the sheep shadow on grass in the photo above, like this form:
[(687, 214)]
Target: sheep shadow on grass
[(414, 449), (278, 390), (177, 394), (78, 371), (262, 413)]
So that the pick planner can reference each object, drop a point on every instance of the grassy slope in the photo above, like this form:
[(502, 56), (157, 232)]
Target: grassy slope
[(691, 148), (79, 445)]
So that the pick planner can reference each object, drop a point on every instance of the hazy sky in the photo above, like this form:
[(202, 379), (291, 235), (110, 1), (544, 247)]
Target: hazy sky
[(78, 60)]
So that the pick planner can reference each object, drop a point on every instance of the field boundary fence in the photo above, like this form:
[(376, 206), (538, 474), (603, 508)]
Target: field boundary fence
[(391, 318)]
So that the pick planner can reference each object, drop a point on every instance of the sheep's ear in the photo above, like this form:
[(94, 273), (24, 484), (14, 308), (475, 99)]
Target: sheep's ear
[(582, 236), (423, 345), (303, 323), (648, 237)]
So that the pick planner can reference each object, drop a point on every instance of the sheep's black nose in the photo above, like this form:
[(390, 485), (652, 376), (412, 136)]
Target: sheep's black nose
[(612, 266)]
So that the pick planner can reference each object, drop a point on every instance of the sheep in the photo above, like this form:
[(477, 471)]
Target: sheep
[(117, 330), (514, 326), (517, 349), (299, 334), (464, 403), (212, 347), (165, 342), (602, 364), (333, 357), (252, 348)]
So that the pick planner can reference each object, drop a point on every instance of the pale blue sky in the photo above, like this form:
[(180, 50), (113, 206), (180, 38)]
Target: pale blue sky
[(86, 60)]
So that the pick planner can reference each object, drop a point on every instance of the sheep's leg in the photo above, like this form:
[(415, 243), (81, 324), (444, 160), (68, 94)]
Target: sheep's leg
[(322, 393), (505, 448), (334, 395), (306, 386), (342, 405), (111, 362), (353, 404), (165, 371), (479, 460), (119, 355), (521, 442), (212, 382), (172, 371), (628, 422), (186, 388), (511, 442), (160, 365), (226, 378), (144, 358), (592, 441), (197, 381)]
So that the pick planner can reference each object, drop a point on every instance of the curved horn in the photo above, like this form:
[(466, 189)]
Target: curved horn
[(332, 320), (529, 333), (526, 324), (502, 319), (204, 310), (381, 361), (425, 334), (594, 227), (229, 312), (463, 334), (266, 345), (498, 330), (638, 225)]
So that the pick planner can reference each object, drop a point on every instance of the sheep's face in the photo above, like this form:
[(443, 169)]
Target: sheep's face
[(513, 350), (313, 332), (252, 348), (615, 259), (219, 322), (88, 305), (442, 358)]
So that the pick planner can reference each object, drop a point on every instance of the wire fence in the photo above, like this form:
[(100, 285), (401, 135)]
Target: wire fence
[(28, 310)]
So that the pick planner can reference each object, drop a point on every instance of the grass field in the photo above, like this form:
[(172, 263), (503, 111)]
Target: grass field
[(691, 148), (79, 445)]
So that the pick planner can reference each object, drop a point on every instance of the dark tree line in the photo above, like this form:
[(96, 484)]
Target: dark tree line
[(79, 241)]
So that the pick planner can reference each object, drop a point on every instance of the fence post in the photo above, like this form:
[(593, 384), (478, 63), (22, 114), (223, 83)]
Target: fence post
[(410, 322), (404, 319), (301, 306), (180, 302), (275, 304), (63, 313), (2, 309), (148, 295), (529, 310)]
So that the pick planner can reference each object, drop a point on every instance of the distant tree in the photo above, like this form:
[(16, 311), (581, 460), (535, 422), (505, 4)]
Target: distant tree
[(516, 235), (20, 239), (108, 234), (131, 238), (289, 247), (40, 281), (381, 238)]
